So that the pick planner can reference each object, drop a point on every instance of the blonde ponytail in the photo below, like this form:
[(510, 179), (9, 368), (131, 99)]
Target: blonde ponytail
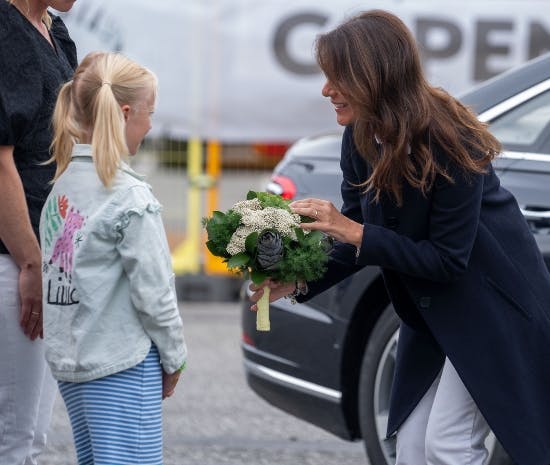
[(108, 139), (90, 108), (65, 130)]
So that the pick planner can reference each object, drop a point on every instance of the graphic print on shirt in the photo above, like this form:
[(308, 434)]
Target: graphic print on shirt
[(62, 234)]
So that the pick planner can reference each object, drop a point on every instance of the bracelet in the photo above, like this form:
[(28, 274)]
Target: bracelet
[(301, 289)]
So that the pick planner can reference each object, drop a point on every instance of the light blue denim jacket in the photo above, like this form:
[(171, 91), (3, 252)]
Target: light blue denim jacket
[(108, 284)]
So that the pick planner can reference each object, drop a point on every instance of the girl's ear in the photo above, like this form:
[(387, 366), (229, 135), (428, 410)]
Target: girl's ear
[(125, 111)]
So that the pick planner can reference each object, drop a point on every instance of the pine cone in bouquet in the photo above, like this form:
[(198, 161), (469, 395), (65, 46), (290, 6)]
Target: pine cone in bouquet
[(270, 249)]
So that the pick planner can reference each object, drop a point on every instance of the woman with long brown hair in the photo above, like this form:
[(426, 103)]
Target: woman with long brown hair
[(463, 271)]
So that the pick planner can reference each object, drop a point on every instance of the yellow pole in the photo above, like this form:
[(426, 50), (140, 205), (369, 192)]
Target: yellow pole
[(213, 169), (186, 257), (212, 264), (194, 169)]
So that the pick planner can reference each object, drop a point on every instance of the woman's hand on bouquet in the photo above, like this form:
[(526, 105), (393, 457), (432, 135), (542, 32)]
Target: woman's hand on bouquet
[(328, 219), (277, 290)]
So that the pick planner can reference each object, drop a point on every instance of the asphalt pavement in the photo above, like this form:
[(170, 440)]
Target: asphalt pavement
[(214, 418)]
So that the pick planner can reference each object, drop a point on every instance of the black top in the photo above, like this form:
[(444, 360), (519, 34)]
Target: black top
[(32, 72)]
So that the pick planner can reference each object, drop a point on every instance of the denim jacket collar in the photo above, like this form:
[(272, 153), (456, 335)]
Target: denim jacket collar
[(84, 152)]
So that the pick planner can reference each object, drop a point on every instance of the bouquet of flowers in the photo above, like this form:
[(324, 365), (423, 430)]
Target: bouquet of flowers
[(261, 238)]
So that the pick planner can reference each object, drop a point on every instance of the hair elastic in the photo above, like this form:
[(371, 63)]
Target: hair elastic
[(109, 83)]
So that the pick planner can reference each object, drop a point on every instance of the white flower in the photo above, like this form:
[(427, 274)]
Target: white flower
[(244, 206), (254, 219)]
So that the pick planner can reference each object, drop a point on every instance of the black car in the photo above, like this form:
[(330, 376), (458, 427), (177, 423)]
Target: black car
[(331, 361)]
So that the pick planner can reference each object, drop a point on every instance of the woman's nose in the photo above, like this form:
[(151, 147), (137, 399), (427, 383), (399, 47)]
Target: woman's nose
[(327, 89)]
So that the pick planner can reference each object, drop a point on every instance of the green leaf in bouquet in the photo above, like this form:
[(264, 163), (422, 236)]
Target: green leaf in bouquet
[(215, 250), (251, 195), (300, 235), (272, 200), (315, 237), (258, 276), (306, 262), (220, 228), (238, 260), (251, 242), (218, 216)]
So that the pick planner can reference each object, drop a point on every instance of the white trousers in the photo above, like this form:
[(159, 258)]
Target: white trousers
[(27, 389), (445, 428)]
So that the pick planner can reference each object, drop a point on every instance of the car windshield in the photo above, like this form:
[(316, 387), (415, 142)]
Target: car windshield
[(523, 125)]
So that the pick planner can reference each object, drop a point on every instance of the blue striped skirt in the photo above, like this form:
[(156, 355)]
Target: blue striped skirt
[(117, 420)]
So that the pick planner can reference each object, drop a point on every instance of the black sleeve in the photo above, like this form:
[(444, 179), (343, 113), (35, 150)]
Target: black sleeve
[(342, 258), (59, 30), (20, 84)]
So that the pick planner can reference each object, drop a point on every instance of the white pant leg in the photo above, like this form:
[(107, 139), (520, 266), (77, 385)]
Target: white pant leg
[(411, 436), (27, 391), (45, 409), (456, 430)]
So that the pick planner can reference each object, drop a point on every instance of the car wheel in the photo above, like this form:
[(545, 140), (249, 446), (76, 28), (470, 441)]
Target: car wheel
[(374, 394), (375, 387)]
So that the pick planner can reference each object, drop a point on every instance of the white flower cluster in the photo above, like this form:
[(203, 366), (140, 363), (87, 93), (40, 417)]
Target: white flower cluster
[(254, 219)]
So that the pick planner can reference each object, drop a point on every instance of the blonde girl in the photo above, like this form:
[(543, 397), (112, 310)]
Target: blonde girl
[(113, 333)]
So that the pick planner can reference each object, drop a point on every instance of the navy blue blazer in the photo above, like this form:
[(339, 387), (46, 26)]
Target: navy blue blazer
[(468, 281)]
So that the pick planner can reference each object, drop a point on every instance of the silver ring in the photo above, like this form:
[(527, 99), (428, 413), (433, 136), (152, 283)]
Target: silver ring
[(315, 214)]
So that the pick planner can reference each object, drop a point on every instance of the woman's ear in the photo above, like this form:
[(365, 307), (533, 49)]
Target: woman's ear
[(125, 111)]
